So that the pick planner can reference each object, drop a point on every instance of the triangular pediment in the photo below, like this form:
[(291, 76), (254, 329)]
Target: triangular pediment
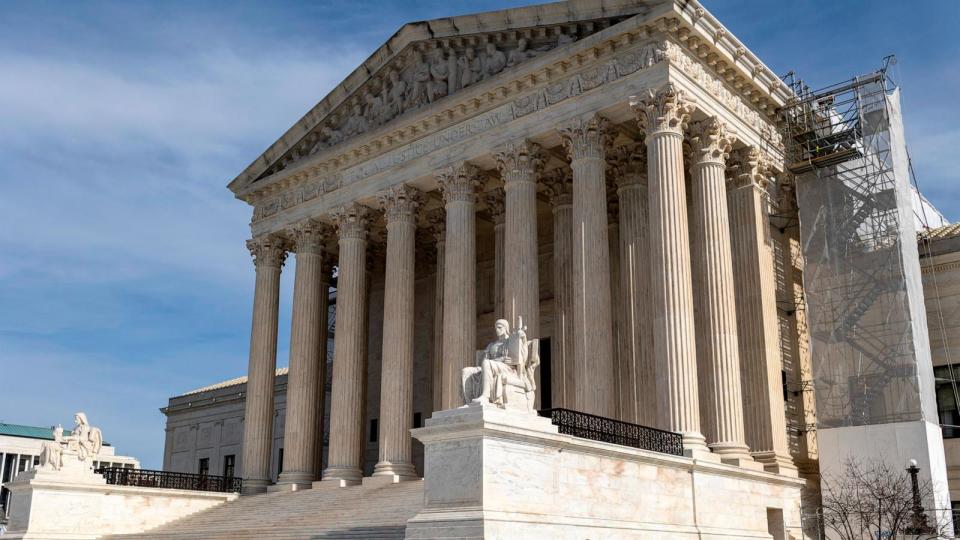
[(426, 62)]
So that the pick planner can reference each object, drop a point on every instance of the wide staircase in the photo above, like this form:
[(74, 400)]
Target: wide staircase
[(375, 512)]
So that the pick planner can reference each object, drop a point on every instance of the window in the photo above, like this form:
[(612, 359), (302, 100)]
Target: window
[(783, 382), (417, 420), (947, 379), (229, 465), (204, 467), (374, 429), (280, 462)]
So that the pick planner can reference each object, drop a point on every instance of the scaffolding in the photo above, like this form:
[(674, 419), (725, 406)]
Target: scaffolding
[(871, 358)]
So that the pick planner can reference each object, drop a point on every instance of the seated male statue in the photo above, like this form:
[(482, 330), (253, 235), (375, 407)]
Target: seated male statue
[(505, 371)]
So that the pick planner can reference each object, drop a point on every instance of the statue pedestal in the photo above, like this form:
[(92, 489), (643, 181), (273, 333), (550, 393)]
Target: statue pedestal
[(77, 504), (492, 473)]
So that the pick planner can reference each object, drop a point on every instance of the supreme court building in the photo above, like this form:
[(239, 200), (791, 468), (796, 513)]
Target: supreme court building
[(611, 172), (596, 168)]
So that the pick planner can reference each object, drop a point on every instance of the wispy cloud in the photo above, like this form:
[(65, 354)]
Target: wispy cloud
[(125, 278)]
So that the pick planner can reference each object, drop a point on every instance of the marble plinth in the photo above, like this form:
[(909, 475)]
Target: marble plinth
[(497, 474), (80, 505)]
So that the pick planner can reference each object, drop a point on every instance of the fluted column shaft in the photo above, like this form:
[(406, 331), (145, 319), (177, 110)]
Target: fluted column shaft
[(269, 255), (663, 115), (519, 166), (755, 285), (586, 142), (396, 386), (497, 209), (299, 435), (721, 407), (561, 344), (438, 226), (623, 368), (637, 342), (321, 403), (346, 404), (459, 280)]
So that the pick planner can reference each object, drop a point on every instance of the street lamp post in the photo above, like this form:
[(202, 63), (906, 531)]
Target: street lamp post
[(919, 524)]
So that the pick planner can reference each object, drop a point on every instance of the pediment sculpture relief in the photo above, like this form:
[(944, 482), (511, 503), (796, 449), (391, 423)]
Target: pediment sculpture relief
[(429, 72), (505, 374)]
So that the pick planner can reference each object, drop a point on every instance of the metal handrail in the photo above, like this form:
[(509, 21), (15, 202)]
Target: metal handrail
[(122, 476), (599, 428)]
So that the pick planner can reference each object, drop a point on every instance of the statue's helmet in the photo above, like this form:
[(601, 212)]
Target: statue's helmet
[(502, 323)]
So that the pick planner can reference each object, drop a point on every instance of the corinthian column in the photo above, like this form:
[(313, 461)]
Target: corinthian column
[(663, 114), (756, 306), (300, 427), (637, 328), (346, 403), (561, 345), (719, 360), (519, 165), (460, 278), (325, 274), (269, 254), (396, 387), (495, 204), (437, 224), (586, 141)]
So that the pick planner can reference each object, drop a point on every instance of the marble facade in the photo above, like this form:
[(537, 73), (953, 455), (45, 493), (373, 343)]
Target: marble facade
[(604, 170)]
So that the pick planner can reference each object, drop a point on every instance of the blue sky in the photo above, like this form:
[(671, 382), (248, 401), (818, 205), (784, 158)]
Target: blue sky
[(124, 278)]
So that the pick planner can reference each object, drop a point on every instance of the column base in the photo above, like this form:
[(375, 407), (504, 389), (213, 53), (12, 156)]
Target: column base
[(341, 477), (775, 463), (292, 481), (254, 486), (695, 446), (735, 454), (400, 472)]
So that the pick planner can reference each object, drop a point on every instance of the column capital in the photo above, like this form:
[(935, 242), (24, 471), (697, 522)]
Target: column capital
[(309, 236), (352, 221), (627, 165), (664, 110), (587, 137), (268, 250), (559, 187), (401, 203), (496, 205), (519, 161), (710, 141), (748, 167), (458, 182), (437, 223)]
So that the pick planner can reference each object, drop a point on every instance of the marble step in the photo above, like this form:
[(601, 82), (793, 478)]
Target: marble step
[(374, 512)]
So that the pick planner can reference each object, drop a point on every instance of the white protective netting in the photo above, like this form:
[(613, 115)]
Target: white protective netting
[(871, 353)]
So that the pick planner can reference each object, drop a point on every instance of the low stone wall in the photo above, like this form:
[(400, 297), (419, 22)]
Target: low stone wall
[(493, 474), (44, 506)]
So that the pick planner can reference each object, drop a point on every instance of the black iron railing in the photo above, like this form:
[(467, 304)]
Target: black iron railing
[(121, 476), (598, 428)]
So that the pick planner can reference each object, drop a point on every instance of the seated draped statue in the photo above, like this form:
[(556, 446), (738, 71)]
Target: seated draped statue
[(505, 371), (81, 445)]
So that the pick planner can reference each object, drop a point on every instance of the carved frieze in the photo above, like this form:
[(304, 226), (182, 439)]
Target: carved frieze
[(427, 72)]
